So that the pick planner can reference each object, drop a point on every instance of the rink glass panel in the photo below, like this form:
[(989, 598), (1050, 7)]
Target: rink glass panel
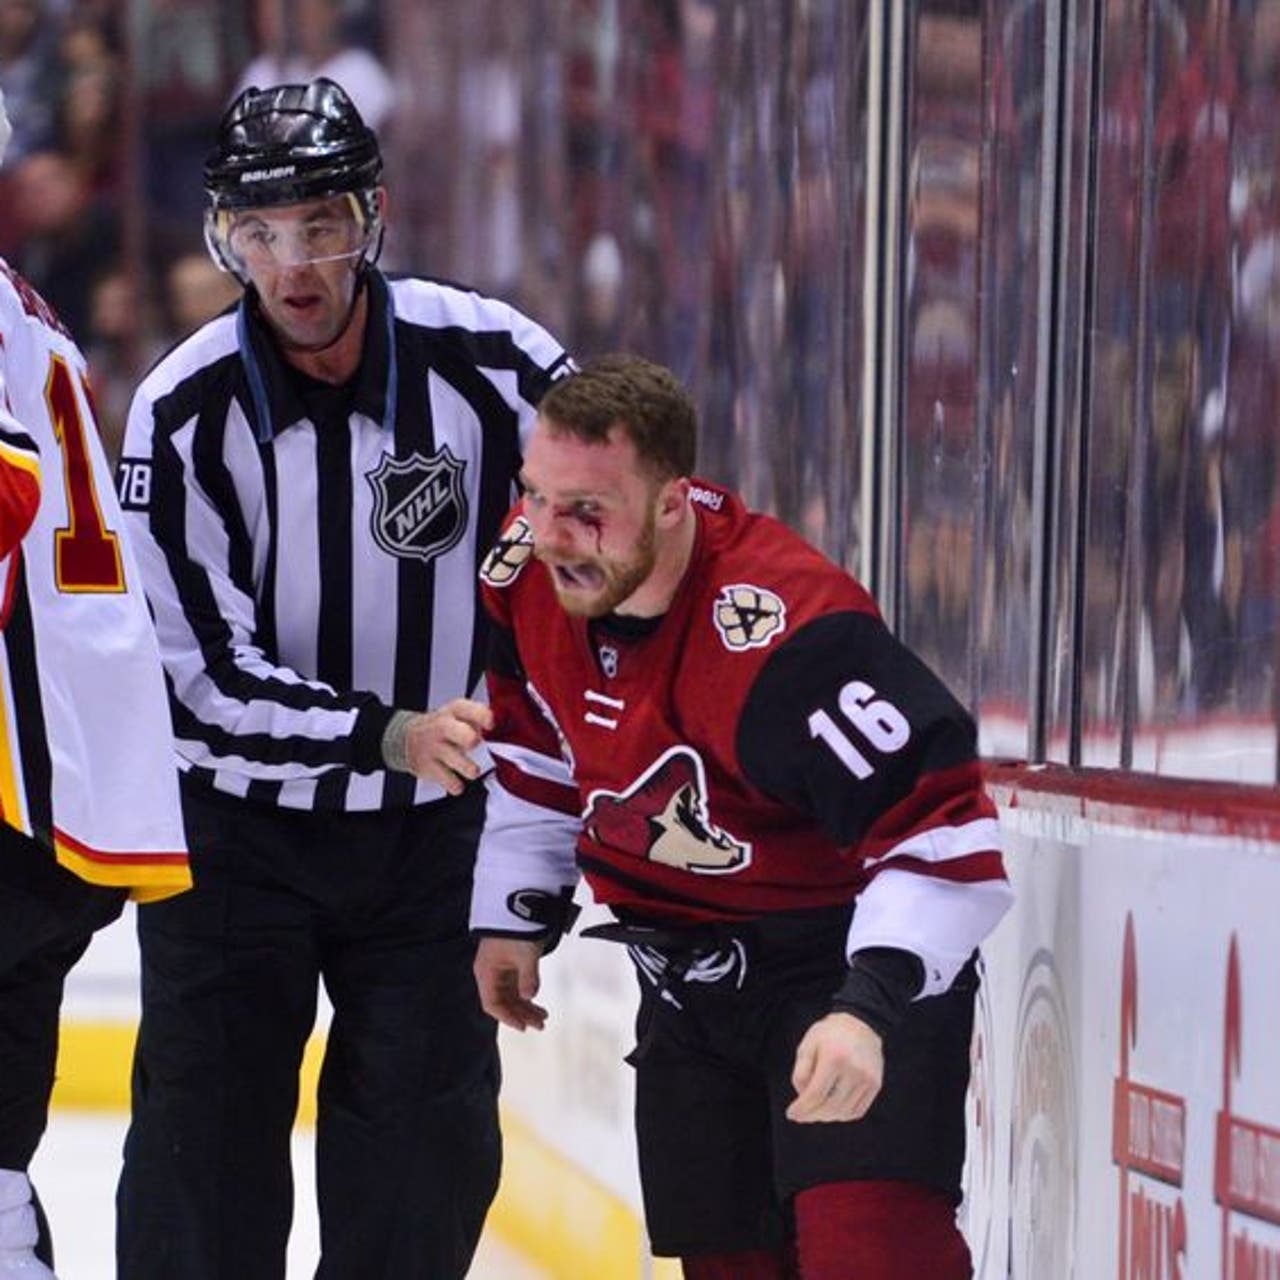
[(1081, 226), (780, 372), (1088, 536), (970, 350), (940, 452), (1178, 632)]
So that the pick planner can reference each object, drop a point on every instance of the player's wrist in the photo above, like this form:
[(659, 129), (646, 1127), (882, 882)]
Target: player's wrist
[(879, 987), (533, 915)]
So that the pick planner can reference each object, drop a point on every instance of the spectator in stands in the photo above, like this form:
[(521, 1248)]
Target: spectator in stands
[(196, 291), (87, 40), (88, 119), (192, 52), (30, 73), (118, 347), (88, 127), (69, 238), (302, 39)]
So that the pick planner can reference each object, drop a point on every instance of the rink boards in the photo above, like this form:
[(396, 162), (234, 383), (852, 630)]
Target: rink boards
[(1124, 1114)]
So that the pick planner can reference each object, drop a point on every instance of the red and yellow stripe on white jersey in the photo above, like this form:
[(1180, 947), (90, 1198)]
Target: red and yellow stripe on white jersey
[(86, 747)]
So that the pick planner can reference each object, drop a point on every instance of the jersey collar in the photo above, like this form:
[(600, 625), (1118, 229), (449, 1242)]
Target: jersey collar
[(275, 402)]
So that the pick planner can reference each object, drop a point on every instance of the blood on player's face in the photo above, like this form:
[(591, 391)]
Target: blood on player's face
[(591, 507)]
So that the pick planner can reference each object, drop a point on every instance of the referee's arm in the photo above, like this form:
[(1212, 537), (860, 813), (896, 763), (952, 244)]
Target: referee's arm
[(232, 707)]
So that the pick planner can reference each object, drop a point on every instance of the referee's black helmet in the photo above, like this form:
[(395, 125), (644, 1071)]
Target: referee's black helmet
[(290, 143)]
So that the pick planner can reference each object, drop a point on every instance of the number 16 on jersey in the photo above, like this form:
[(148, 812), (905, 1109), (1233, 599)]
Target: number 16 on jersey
[(875, 720)]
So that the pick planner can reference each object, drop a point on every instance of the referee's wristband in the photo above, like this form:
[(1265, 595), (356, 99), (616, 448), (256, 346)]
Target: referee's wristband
[(395, 742)]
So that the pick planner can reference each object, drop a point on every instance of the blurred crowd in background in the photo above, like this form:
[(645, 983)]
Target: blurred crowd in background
[(1073, 390), (113, 107)]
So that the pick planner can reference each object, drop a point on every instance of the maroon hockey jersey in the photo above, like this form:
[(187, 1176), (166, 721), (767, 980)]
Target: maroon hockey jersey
[(765, 746)]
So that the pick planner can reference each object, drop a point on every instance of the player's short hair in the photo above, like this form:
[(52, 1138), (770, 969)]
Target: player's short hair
[(645, 399)]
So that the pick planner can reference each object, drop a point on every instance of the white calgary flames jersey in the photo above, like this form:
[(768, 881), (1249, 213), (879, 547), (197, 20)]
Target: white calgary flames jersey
[(87, 766)]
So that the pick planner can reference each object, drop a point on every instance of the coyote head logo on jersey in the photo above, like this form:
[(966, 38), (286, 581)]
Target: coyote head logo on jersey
[(509, 555), (663, 817), (419, 506), (748, 617)]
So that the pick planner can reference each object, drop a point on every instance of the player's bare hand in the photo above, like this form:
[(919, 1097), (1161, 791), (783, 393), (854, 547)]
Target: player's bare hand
[(838, 1072), (440, 743), (506, 972)]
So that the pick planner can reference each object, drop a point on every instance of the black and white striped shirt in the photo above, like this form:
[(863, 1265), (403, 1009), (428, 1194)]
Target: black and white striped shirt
[(310, 554)]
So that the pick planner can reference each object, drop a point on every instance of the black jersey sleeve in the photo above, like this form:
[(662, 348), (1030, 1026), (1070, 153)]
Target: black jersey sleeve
[(847, 725)]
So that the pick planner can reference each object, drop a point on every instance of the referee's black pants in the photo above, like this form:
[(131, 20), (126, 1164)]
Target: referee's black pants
[(408, 1148), (47, 918)]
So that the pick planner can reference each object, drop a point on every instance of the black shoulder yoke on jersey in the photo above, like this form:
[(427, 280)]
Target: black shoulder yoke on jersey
[(785, 757)]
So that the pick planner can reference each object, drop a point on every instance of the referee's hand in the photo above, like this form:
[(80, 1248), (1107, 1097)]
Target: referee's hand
[(439, 743)]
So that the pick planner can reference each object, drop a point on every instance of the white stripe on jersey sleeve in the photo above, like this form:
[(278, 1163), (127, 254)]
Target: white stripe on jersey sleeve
[(204, 347), (439, 306), (524, 846), (533, 763), (942, 844), (941, 921), (533, 339), (16, 441)]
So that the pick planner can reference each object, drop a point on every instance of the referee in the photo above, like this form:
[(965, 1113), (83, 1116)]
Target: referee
[(313, 479)]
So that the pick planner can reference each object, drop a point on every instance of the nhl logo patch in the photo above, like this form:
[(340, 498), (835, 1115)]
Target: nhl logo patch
[(608, 660), (509, 555), (419, 507), (748, 617)]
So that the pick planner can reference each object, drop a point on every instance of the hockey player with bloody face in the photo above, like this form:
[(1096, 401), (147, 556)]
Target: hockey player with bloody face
[(782, 807)]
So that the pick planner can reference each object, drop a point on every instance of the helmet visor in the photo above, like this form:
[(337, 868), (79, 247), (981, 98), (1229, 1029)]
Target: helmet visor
[(308, 234)]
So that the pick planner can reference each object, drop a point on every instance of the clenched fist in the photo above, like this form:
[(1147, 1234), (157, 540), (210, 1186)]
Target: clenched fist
[(838, 1072)]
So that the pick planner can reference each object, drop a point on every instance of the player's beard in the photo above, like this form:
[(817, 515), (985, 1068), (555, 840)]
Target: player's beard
[(618, 579)]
